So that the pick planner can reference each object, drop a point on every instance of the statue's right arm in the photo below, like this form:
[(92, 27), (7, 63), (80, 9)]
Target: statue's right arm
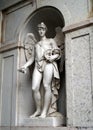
[(28, 63), (24, 67), (31, 60)]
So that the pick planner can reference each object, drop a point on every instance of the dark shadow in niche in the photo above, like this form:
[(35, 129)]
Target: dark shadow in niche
[(53, 18), (62, 95), (50, 16)]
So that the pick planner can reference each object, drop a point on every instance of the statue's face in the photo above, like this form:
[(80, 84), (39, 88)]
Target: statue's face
[(41, 31)]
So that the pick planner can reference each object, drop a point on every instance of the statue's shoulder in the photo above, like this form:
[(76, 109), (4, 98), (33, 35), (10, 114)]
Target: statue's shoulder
[(38, 44), (51, 39)]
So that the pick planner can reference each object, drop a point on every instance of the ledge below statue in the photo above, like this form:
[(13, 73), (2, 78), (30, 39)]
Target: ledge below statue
[(48, 121)]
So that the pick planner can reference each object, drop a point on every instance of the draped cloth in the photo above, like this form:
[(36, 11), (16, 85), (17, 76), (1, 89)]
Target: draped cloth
[(55, 87)]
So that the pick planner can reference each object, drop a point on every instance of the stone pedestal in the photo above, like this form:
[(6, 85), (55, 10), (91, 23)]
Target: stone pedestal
[(48, 121)]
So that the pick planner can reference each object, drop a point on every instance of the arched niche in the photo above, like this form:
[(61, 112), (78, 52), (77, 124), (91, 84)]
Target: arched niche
[(53, 18)]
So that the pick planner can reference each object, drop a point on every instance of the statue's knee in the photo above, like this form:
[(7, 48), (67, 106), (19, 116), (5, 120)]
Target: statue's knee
[(47, 87), (35, 89)]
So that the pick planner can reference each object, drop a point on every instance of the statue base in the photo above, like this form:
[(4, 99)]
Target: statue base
[(48, 121)]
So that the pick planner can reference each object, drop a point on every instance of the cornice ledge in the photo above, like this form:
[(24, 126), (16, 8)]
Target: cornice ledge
[(11, 46), (80, 25)]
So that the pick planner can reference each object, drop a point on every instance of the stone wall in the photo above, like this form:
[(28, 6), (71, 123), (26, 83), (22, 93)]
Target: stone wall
[(79, 77), (15, 89)]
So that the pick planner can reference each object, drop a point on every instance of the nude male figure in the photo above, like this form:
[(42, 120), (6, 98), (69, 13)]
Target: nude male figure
[(45, 55)]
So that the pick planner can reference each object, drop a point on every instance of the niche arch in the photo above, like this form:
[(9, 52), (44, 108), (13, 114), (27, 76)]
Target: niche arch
[(53, 18), (50, 15)]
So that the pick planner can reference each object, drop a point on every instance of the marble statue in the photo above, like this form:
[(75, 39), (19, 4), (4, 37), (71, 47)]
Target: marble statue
[(44, 53)]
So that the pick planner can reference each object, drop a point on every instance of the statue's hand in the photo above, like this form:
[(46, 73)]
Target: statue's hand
[(52, 55), (52, 58), (22, 69), (49, 59)]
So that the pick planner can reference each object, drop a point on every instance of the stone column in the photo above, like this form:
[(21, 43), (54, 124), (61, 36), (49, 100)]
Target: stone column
[(79, 71)]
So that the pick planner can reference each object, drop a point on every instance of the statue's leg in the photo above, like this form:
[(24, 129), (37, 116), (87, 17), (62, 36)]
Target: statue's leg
[(47, 80), (36, 80)]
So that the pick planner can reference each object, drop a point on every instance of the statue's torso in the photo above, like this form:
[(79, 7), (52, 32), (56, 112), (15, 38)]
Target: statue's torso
[(41, 47)]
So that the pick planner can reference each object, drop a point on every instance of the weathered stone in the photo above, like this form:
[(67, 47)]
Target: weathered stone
[(79, 87), (48, 121), (78, 63)]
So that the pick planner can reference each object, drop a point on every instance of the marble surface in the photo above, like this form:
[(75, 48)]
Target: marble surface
[(79, 79), (48, 121), (39, 128), (78, 62)]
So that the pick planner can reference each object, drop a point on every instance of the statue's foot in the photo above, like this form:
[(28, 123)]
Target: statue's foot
[(37, 113), (43, 115)]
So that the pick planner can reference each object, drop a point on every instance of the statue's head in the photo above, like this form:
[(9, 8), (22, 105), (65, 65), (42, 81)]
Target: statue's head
[(42, 25), (42, 28)]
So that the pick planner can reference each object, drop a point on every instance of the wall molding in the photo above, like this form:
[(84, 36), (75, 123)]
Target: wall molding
[(80, 25), (11, 46)]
